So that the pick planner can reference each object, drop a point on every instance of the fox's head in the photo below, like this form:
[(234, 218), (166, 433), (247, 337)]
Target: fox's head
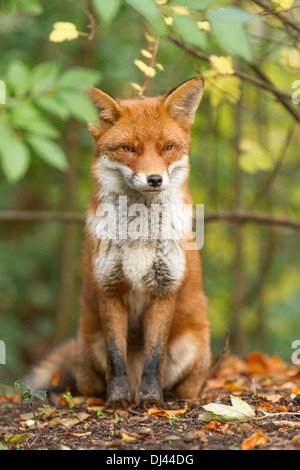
[(144, 143)]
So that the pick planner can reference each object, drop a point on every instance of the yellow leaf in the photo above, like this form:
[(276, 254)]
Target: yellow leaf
[(161, 2), (14, 438), (146, 53), (254, 157), (148, 71), (223, 88), (290, 57), (204, 25), (221, 64), (180, 10), (126, 437), (135, 86), (63, 31), (283, 3), (160, 67), (169, 20), (149, 37)]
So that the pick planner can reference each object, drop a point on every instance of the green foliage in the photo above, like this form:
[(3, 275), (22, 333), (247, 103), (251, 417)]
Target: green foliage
[(228, 27), (27, 396), (27, 129)]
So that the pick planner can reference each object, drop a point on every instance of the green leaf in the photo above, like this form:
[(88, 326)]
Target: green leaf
[(40, 394), (44, 76), (149, 10), (188, 29), (14, 438), (15, 159), (24, 113), (107, 10), (193, 4), (21, 387), (42, 127), (79, 78), (7, 6), (53, 105), (33, 7), (79, 106), (49, 151), (18, 77), (228, 27)]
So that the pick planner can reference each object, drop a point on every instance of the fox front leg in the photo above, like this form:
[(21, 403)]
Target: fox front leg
[(114, 319), (157, 324)]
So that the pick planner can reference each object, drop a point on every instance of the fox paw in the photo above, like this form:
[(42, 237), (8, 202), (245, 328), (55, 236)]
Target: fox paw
[(152, 403), (116, 404)]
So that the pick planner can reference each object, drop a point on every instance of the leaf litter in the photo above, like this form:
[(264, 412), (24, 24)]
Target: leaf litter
[(247, 404)]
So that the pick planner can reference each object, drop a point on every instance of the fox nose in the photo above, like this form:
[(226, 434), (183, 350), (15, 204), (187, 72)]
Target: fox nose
[(154, 180)]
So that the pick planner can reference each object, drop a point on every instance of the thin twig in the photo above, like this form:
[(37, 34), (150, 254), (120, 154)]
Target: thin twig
[(264, 82), (265, 188), (77, 217), (92, 24), (217, 364), (152, 63)]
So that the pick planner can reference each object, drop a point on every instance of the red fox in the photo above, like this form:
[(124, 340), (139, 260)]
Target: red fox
[(143, 326)]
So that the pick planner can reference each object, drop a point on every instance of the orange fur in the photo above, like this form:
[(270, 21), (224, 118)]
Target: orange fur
[(143, 324)]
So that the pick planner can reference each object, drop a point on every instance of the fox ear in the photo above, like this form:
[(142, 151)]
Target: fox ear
[(108, 108), (183, 101)]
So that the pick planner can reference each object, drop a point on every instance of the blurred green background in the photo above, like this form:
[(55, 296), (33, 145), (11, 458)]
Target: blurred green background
[(244, 156)]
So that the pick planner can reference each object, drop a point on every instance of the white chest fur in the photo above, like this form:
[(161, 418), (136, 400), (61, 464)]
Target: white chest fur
[(149, 263)]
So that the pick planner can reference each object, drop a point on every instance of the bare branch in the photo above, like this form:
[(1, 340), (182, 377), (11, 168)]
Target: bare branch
[(264, 82), (239, 217)]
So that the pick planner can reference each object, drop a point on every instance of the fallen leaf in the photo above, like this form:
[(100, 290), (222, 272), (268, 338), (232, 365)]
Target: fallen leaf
[(126, 437), (256, 440), (296, 440), (286, 424), (230, 388), (166, 413), (14, 438), (73, 420), (265, 405), (95, 401), (215, 426), (239, 411)]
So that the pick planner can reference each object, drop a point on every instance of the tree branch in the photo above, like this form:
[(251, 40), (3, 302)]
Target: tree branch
[(264, 82), (240, 217)]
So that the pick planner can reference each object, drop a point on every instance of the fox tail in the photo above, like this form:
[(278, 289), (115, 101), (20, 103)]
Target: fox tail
[(56, 372)]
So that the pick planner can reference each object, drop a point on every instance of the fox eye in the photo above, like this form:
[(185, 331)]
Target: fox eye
[(167, 148), (128, 149)]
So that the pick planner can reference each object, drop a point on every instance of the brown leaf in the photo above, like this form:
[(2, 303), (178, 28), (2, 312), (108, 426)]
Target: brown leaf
[(257, 439), (265, 406), (95, 401), (166, 413), (216, 426)]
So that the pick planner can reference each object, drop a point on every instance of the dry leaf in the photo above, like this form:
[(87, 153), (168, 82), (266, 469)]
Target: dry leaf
[(239, 411), (95, 401), (126, 437), (266, 406), (166, 413), (14, 438), (215, 426), (256, 440)]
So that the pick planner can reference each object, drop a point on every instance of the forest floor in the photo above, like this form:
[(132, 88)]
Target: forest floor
[(68, 422)]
